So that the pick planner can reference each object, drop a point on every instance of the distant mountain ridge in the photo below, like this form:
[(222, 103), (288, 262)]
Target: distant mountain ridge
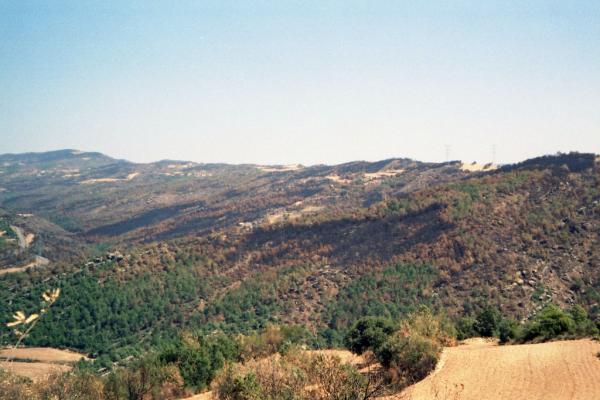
[(311, 245)]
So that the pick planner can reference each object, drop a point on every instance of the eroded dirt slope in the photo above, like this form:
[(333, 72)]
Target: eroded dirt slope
[(565, 370)]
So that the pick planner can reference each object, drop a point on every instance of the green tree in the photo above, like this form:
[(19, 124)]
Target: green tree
[(487, 321), (549, 323), (369, 333), (508, 330), (583, 326)]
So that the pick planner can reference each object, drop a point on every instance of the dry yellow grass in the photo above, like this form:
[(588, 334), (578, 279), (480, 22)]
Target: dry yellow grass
[(345, 356), (45, 361), (382, 174), (202, 396), (280, 168), (292, 215), (42, 354), (105, 180), (338, 179), (474, 167), (33, 370)]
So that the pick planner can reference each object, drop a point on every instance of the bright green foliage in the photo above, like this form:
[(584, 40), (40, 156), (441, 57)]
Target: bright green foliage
[(550, 323), (369, 333), (391, 293), (487, 321), (508, 329), (583, 325), (199, 361), (104, 316), (465, 328)]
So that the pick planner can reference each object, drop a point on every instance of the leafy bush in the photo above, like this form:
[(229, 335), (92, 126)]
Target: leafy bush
[(413, 351), (583, 326), (550, 323), (198, 361), (465, 328), (145, 381), (409, 358), (508, 330), (72, 385), (261, 344), (369, 333), (487, 322), (234, 386)]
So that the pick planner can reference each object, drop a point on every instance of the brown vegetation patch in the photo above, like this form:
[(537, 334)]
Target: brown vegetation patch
[(33, 370)]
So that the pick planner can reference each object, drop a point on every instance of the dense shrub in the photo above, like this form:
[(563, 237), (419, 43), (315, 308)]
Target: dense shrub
[(414, 349), (409, 358), (583, 325), (487, 322), (427, 324), (465, 328), (369, 333), (509, 330), (550, 323), (261, 344), (199, 360)]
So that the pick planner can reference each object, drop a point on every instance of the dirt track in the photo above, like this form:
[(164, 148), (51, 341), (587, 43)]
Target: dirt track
[(38, 262), (566, 370)]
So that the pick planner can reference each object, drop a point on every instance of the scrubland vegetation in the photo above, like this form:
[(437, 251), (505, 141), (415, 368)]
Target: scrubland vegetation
[(550, 323), (210, 287), (274, 363)]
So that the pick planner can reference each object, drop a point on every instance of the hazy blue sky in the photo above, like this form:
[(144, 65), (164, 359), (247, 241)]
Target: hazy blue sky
[(300, 81)]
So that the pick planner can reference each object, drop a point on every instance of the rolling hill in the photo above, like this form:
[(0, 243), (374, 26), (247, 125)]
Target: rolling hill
[(237, 247)]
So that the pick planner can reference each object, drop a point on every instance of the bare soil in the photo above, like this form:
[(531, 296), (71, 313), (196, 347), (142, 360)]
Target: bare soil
[(38, 262), (565, 370)]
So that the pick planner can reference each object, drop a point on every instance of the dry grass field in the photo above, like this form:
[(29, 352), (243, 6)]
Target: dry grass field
[(33, 370), (41, 361), (42, 354)]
